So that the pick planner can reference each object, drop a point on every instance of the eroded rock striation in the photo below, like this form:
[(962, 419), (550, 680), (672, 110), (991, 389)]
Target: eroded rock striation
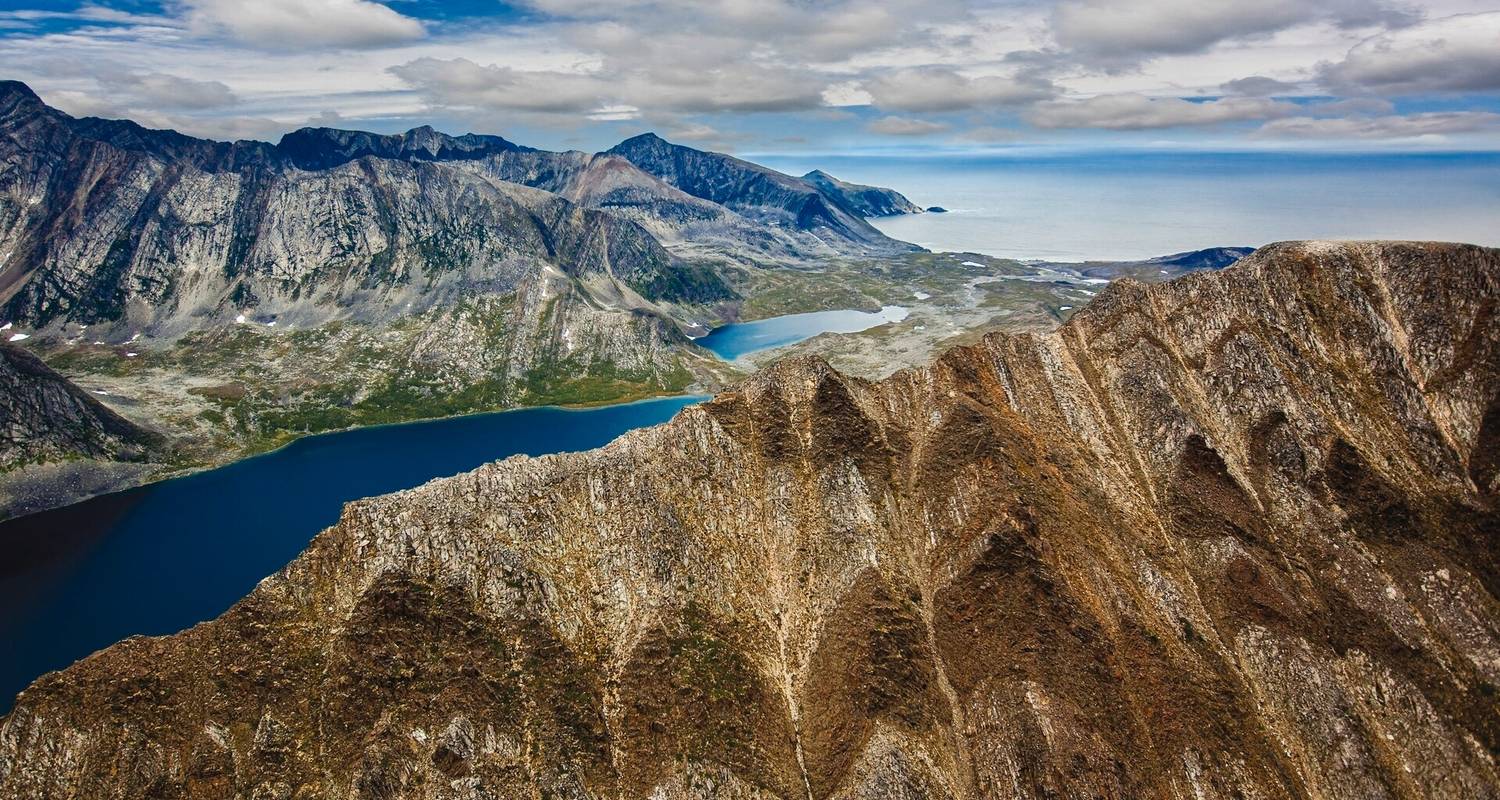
[(1230, 536)]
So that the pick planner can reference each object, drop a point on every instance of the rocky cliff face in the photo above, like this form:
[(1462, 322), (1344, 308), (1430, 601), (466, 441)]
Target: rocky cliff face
[(1231, 536), (44, 417)]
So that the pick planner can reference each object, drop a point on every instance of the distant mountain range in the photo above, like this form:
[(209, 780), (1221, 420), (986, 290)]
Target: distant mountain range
[(107, 222)]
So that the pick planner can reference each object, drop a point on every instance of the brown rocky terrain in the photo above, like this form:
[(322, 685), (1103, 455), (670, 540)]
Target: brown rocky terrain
[(1232, 536)]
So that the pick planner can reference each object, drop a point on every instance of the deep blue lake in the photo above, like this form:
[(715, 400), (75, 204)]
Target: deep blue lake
[(732, 341), (160, 558)]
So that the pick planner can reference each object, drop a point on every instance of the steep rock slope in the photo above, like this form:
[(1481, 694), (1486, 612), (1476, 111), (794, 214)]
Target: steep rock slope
[(869, 201), (759, 193), (1229, 536), (44, 417)]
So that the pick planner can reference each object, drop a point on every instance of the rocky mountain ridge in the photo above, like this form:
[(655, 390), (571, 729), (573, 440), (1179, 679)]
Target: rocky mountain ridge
[(1229, 536)]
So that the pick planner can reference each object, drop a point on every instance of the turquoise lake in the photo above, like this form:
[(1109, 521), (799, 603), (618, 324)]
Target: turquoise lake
[(160, 558)]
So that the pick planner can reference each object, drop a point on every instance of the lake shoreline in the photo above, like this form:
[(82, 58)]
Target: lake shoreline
[(133, 478)]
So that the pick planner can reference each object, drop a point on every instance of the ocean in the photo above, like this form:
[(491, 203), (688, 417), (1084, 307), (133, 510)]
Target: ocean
[(1131, 205)]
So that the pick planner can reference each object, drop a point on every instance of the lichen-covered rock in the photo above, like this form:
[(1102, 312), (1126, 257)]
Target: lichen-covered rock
[(1233, 536)]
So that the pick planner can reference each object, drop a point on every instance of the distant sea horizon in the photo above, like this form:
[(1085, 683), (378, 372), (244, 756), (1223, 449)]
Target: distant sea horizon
[(1126, 205)]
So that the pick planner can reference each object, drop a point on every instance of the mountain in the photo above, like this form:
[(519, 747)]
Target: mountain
[(148, 230), (104, 221), (44, 417), (1233, 535), (758, 193), (868, 201)]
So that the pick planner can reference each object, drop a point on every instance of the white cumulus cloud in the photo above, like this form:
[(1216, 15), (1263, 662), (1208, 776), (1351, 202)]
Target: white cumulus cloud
[(292, 24)]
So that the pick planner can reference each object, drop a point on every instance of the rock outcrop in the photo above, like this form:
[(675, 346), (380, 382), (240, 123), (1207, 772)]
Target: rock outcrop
[(1232, 536), (44, 417)]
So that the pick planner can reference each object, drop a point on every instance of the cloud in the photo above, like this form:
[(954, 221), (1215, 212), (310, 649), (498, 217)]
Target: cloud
[(788, 29), (1351, 106), (299, 24), (223, 128), (1139, 112), (1258, 86), (461, 83), (991, 135), (1131, 30), (905, 126), (1460, 53), (159, 90), (1410, 126), (944, 89)]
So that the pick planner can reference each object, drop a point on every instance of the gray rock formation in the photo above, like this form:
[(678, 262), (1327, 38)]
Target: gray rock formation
[(103, 221), (1229, 536)]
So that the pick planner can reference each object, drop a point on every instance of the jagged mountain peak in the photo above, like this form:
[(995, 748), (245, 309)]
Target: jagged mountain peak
[(868, 201)]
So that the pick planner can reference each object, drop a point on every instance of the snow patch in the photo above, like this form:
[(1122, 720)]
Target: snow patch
[(1065, 308), (240, 320), (131, 355), (16, 337), (972, 264), (6, 326), (920, 295)]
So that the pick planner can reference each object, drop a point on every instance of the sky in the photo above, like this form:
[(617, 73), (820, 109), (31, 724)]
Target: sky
[(784, 76)]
